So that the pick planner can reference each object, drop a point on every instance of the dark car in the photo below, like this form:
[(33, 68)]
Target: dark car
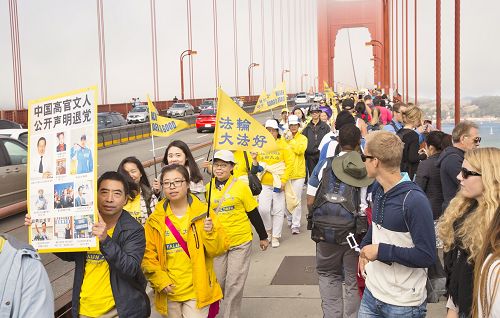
[(110, 120), (206, 120), (7, 124), (13, 171), (207, 104)]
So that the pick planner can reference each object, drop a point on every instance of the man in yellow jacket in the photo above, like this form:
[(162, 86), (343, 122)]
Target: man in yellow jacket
[(298, 144)]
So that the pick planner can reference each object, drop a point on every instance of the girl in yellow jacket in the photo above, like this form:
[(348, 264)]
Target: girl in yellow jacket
[(298, 144), (181, 242), (275, 168)]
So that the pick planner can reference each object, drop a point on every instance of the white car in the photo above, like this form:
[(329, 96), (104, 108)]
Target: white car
[(19, 134), (301, 98), (138, 114), (318, 97), (180, 110)]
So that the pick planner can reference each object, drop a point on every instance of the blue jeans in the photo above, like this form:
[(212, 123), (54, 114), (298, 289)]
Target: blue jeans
[(372, 307)]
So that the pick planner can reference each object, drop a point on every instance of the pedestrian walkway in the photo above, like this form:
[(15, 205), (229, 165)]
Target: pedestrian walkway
[(262, 299)]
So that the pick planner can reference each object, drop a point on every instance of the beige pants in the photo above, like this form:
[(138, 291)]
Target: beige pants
[(232, 270), (186, 309), (110, 314)]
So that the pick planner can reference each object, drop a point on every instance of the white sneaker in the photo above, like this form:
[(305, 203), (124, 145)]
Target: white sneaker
[(295, 230), (275, 242), (269, 236)]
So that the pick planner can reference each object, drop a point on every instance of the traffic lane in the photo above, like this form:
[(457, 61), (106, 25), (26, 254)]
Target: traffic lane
[(110, 158)]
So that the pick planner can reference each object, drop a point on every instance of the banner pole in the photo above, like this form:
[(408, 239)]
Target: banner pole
[(154, 155)]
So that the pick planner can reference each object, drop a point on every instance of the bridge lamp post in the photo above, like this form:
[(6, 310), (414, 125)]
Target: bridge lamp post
[(249, 81), (283, 74), (184, 54), (302, 81)]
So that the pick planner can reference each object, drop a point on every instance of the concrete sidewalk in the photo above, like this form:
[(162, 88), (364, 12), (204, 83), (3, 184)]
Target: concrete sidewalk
[(263, 300)]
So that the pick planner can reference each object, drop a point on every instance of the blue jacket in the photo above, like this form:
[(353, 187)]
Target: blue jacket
[(84, 158), (403, 227), (449, 163)]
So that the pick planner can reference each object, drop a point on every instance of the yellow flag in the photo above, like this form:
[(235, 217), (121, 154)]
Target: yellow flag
[(329, 94), (261, 105), (163, 126), (277, 98), (235, 129)]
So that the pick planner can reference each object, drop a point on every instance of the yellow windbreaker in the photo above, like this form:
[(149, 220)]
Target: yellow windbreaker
[(202, 246), (271, 158), (298, 145)]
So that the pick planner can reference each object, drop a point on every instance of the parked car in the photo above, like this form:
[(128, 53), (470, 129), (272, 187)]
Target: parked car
[(13, 176), (311, 95), (206, 120), (301, 98), (180, 110), (318, 97), (207, 104), (110, 120), (7, 124), (19, 134), (238, 101), (138, 114)]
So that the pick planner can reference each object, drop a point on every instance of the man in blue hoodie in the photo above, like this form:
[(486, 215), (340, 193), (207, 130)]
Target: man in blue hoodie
[(83, 155), (400, 243), (465, 136)]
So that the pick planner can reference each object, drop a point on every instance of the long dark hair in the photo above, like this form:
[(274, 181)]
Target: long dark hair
[(194, 171), (134, 160)]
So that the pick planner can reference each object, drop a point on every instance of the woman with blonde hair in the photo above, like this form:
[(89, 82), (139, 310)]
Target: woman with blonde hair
[(412, 118), (486, 301), (464, 224)]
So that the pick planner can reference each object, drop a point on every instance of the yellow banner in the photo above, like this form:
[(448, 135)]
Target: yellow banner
[(277, 98), (235, 129), (163, 126)]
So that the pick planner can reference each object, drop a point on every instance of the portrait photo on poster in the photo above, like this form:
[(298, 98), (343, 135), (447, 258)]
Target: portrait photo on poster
[(81, 154)]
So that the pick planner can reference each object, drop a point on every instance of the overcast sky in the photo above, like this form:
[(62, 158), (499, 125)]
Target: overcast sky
[(59, 48)]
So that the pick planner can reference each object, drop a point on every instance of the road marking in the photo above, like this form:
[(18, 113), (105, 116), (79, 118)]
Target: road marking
[(157, 148), (200, 136), (200, 159)]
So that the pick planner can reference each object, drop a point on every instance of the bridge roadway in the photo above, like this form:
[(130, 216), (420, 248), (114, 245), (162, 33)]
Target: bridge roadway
[(262, 298)]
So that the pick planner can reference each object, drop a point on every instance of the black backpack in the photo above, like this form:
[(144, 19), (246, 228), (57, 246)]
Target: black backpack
[(335, 211)]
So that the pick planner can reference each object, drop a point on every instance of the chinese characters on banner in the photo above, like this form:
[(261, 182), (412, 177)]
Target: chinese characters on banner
[(62, 171), (237, 130), (267, 102)]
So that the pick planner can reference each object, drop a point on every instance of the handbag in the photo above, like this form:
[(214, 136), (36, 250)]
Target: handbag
[(253, 181)]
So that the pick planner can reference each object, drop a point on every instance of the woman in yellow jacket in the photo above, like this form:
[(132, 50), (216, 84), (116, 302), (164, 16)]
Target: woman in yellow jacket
[(181, 242), (236, 209), (298, 144), (275, 168)]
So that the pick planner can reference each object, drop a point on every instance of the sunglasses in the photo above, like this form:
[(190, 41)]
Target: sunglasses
[(477, 140), (467, 173), (364, 157)]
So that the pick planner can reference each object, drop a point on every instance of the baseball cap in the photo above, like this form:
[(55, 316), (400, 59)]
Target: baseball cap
[(293, 120), (347, 104), (224, 155), (271, 123)]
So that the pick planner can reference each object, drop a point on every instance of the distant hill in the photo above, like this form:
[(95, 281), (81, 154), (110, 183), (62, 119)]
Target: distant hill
[(484, 106)]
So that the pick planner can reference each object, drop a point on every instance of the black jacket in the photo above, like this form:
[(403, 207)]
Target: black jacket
[(429, 179), (411, 157), (449, 164), (124, 253), (314, 134), (460, 273)]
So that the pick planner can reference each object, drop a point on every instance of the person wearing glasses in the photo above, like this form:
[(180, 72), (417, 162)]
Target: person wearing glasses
[(465, 136), (400, 243), (465, 222), (181, 243), (237, 210)]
